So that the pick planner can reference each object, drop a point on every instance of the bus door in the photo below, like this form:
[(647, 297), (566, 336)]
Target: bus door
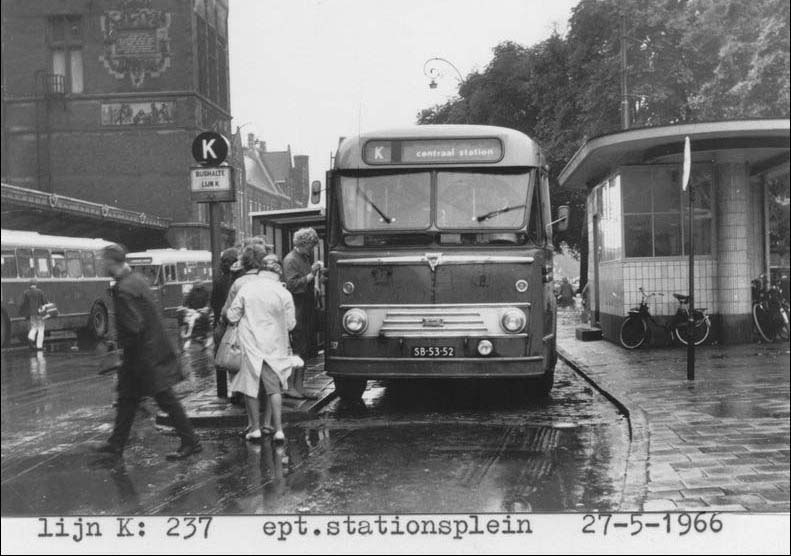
[(172, 295)]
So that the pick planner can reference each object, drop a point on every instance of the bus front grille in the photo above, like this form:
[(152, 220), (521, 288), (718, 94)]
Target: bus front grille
[(428, 323)]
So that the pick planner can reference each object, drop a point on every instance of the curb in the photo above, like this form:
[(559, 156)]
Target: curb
[(636, 479), (222, 417)]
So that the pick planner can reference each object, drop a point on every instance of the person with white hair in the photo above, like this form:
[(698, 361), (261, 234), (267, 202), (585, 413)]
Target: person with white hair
[(300, 273)]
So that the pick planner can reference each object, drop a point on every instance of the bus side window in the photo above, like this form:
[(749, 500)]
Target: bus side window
[(546, 208), (9, 264), (73, 264), (183, 272), (536, 226), (25, 263), (58, 264), (170, 272), (41, 258), (88, 269)]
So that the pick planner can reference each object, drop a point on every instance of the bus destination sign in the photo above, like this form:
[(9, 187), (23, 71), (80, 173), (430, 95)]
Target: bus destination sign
[(434, 151)]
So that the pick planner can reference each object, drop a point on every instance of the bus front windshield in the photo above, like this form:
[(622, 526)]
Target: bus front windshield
[(149, 271), (465, 200)]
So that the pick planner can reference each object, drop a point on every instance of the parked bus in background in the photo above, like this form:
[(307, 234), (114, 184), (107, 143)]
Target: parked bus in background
[(440, 258), (70, 273), (172, 273)]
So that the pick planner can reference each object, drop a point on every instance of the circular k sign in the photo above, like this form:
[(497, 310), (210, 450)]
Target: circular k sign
[(210, 148)]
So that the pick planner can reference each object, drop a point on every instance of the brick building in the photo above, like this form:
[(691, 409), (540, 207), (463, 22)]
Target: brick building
[(275, 180), (102, 98)]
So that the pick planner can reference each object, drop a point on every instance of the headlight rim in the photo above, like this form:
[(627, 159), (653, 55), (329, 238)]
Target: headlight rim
[(514, 311), (363, 317)]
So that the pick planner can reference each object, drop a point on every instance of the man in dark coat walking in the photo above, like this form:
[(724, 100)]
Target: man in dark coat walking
[(150, 364)]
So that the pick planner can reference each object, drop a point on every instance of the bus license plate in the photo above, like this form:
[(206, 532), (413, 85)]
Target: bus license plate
[(433, 351)]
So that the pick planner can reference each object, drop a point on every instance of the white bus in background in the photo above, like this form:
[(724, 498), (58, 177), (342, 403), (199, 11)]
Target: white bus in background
[(69, 271), (172, 273)]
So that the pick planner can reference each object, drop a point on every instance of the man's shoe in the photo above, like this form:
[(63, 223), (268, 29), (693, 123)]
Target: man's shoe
[(185, 451), (110, 450)]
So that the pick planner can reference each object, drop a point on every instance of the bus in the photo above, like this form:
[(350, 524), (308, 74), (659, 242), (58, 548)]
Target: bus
[(440, 258), (172, 273), (69, 271)]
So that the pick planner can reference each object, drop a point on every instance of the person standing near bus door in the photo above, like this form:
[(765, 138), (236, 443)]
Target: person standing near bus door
[(150, 364), (32, 301), (300, 272)]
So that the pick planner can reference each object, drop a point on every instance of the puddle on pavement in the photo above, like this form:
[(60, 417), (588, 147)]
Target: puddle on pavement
[(739, 409)]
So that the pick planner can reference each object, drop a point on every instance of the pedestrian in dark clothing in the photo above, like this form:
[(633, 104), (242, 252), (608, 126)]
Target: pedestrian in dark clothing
[(32, 301), (566, 294), (300, 273), (150, 361), (222, 284)]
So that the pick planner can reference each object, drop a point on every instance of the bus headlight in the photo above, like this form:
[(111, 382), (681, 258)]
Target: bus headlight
[(513, 321), (355, 321)]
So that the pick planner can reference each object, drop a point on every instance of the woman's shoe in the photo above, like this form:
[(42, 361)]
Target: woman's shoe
[(267, 430), (253, 436), (279, 436)]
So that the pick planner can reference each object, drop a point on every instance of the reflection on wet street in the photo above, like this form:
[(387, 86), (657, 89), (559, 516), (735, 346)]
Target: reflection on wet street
[(418, 447)]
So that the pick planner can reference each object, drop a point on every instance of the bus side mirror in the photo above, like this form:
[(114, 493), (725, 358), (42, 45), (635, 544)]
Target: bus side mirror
[(562, 222), (315, 192)]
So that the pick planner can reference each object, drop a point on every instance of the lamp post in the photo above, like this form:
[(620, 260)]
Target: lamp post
[(432, 70)]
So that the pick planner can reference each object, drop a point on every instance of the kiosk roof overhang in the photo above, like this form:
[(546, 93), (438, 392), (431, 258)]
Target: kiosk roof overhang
[(767, 138)]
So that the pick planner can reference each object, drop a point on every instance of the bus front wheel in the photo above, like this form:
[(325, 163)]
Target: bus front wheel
[(98, 321), (350, 389)]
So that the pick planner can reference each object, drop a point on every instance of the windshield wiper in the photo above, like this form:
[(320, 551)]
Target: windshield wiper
[(387, 219), (497, 212)]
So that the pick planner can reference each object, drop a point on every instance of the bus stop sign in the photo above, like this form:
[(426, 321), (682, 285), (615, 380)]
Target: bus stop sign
[(210, 148)]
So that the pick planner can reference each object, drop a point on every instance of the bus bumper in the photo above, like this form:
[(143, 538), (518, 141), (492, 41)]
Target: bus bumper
[(457, 367)]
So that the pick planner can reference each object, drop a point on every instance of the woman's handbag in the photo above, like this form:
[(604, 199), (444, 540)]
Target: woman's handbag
[(229, 354)]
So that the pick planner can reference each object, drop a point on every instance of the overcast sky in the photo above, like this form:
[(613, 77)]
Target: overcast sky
[(306, 72)]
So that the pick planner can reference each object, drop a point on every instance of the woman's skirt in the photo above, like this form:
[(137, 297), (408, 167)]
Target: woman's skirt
[(248, 384)]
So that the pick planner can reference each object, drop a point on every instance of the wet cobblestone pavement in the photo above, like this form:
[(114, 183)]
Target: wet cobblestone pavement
[(718, 443), (425, 447)]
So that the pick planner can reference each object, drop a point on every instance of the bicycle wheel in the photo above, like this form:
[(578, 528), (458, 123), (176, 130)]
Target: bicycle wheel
[(633, 332), (762, 318), (700, 331), (782, 324)]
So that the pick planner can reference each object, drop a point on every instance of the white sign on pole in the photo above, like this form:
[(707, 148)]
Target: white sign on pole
[(687, 163), (212, 184)]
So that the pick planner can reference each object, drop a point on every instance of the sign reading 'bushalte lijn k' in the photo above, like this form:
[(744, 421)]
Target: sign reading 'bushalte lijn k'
[(212, 184)]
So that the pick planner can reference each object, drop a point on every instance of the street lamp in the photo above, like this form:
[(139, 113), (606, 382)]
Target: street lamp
[(432, 70)]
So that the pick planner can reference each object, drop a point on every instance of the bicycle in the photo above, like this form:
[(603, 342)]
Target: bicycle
[(770, 310), (635, 329)]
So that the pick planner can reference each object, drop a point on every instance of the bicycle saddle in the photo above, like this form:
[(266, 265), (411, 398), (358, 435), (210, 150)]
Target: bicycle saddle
[(681, 298)]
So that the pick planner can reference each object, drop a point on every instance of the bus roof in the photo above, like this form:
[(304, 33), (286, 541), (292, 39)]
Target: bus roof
[(518, 150), (167, 256), (32, 240)]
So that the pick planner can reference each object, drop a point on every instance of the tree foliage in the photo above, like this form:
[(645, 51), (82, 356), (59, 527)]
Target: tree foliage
[(688, 60)]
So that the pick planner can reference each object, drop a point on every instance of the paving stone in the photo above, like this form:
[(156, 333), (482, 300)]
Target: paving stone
[(659, 506)]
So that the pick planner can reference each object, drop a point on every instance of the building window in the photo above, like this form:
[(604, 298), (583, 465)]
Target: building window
[(65, 41), (211, 20), (656, 213), (608, 209)]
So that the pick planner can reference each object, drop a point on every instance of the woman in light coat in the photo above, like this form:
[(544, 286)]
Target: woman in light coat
[(264, 311)]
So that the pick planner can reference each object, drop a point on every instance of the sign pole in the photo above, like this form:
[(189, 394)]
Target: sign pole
[(215, 243), (212, 183), (691, 233)]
